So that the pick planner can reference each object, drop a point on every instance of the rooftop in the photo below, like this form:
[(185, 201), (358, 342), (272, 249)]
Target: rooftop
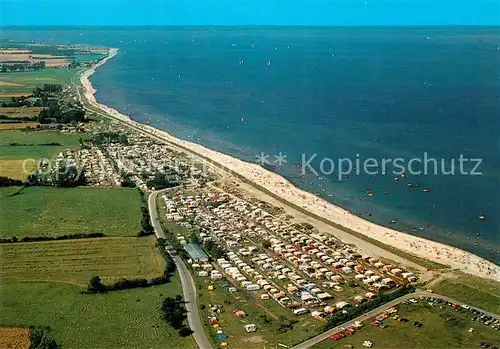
[(195, 251)]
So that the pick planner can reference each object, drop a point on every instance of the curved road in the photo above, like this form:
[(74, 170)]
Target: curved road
[(188, 285), (315, 340)]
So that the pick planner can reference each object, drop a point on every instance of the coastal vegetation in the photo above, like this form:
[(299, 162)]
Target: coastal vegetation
[(472, 290)]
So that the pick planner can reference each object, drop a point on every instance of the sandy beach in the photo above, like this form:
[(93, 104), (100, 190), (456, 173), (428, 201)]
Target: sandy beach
[(438, 252)]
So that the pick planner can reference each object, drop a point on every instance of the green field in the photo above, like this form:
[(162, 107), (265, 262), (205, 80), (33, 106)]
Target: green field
[(34, 141), (55, 211), (15, 160), (435, 333), (76, 261), (116, 320), (28, 81), (474, 291)]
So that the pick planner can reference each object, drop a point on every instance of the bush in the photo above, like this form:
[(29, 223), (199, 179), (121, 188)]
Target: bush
[(174, 312), (8, 182), (14, 239), (40, 339), (185, 331)]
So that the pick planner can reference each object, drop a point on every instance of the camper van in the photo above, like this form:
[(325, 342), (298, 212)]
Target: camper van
[(300, 311)]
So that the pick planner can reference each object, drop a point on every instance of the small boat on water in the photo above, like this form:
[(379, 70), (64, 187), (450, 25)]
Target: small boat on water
[(269, 63), (368, 214), (426, 190), (393, 221), (386, 191), (482, 217)]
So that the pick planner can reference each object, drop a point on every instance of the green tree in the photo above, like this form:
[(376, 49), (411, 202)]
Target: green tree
[(95, 285)]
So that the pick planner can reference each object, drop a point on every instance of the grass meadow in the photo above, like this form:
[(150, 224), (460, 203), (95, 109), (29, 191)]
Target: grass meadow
[(472, 290), (436, 332), (42, 284), (23, 83), (48, 211), (116, 320)]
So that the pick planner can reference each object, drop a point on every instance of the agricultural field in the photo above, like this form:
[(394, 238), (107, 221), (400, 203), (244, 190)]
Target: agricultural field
[(14, 338), (20, 112), (15, 84), (48, 211), (121, 319), (32, 146), (442, 328), (266, 314), (477, 292), (76, 261)]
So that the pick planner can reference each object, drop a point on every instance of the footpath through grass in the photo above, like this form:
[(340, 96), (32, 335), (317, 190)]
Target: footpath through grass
[(49, 211), (442, 328), (116, 320)]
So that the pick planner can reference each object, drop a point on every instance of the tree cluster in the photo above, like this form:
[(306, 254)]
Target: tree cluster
[(147, 228), (17, 119), (14, 239), (17, 102), (162, 181), (22, 66), (174, 313), (67, 176), (127, 182), (40, 338), (50, 89), (175, 243), (8, 182), (56, 114), (214, 250), (103, 138)]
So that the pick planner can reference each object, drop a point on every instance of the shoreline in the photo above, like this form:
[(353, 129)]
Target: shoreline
[(435, 251)]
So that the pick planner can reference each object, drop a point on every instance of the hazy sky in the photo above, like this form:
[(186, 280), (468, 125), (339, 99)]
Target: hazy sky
[(250, 12)]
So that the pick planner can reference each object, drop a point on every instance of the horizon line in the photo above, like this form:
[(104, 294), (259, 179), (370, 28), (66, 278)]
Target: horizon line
[(252, 26)]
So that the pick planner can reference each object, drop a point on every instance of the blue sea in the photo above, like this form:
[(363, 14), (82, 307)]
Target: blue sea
[(381, 93)]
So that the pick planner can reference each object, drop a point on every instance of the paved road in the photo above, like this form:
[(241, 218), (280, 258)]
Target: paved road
[(188, 285), (309, 343)]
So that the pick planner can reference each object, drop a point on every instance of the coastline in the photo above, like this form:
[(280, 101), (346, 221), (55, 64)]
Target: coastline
[(279, 186)]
